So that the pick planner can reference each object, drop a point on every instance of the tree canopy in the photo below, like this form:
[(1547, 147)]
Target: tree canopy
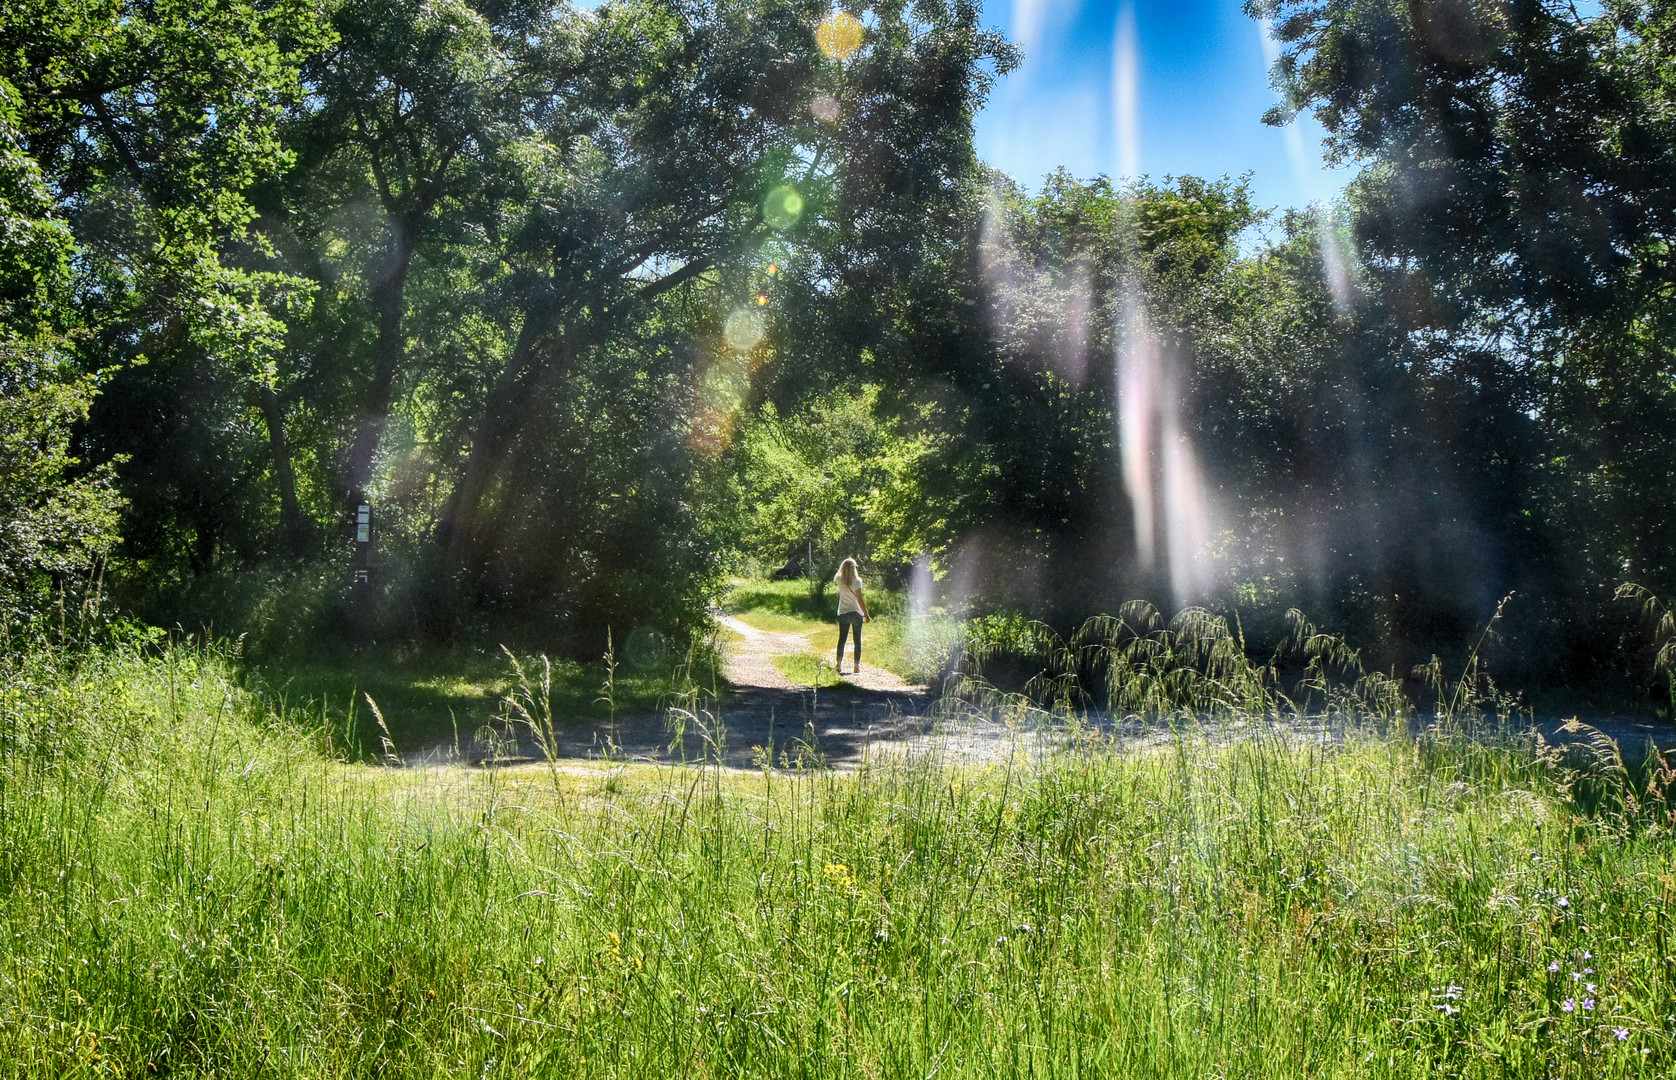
[(596, 306)]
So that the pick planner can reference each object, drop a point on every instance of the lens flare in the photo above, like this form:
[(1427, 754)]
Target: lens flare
[(773, 268), (1161, 471), (919, 604), (762, 299), (839, 36), (824, 108), (744, 329), (718, 399), (1063, 324), (1126, 92), (1335, 264), (1335, 260), (646, 648), (783, 207), (1137, 393)]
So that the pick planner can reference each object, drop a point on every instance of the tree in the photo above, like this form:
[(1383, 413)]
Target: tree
[(831, 478), (691, 153), (409, 108), (56, 521), (1513, 220), (151, 123)]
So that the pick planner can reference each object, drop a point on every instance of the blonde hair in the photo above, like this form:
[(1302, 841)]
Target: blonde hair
[(848, 575)]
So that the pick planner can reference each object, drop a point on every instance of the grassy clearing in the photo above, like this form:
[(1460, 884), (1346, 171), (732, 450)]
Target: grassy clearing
[(920, 653), (428, 698), (189, 886)]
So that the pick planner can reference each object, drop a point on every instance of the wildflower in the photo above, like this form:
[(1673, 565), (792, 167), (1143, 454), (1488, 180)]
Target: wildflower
[(1587, 955), (1453, 993), (1576, 976), (1621, 1034), (1568, 1005), (1590, 987), (1446, 1009), (1553, 966), (1589, 1003), (1565, 902)]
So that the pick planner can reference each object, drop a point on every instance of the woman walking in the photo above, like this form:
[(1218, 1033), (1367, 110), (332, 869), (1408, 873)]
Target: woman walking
[(852, 610)]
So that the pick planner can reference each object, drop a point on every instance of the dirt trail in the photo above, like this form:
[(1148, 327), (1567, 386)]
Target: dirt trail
[(750, 662)]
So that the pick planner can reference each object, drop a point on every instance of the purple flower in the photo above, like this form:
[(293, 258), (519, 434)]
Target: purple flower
[(1590, 987), (1553, 966), (1568, 1005), (1576, 976), (1588, 1003), (1621, 1034), (1565, 902), (1588, 955)]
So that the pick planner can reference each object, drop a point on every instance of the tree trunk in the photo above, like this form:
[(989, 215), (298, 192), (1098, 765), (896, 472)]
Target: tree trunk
[(388, 300), (503, 415), (293, 527)]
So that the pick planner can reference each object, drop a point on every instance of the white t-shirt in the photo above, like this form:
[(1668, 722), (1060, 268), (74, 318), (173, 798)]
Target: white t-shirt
[(849, 600)]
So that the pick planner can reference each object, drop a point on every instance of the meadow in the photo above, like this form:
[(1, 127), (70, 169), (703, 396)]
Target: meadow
[(192, 883)]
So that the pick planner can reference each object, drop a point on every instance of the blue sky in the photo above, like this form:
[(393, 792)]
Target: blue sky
[(1194, 94)]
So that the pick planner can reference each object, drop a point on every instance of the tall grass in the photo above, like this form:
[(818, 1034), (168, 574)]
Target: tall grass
[(190, 885), (1662, 621)]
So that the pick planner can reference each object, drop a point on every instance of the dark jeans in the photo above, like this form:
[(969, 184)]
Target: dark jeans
[(848, 621)]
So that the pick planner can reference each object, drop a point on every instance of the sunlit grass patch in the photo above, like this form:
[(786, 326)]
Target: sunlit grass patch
[(779, 623), (791, 599), (808, 669), (780, 606)]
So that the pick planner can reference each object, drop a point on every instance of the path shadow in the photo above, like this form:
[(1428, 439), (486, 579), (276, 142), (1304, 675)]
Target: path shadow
[(742, 727)]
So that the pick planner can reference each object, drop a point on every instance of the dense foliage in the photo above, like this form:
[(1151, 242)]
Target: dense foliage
[(593, 306)]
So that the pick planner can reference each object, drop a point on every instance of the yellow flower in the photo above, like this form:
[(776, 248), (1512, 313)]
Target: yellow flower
[(840, 875)]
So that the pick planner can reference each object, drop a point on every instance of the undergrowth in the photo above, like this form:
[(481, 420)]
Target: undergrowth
[(191, 885), (1197, 665)]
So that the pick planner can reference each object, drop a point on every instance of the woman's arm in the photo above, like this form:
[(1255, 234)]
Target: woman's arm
[(862, 604)]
